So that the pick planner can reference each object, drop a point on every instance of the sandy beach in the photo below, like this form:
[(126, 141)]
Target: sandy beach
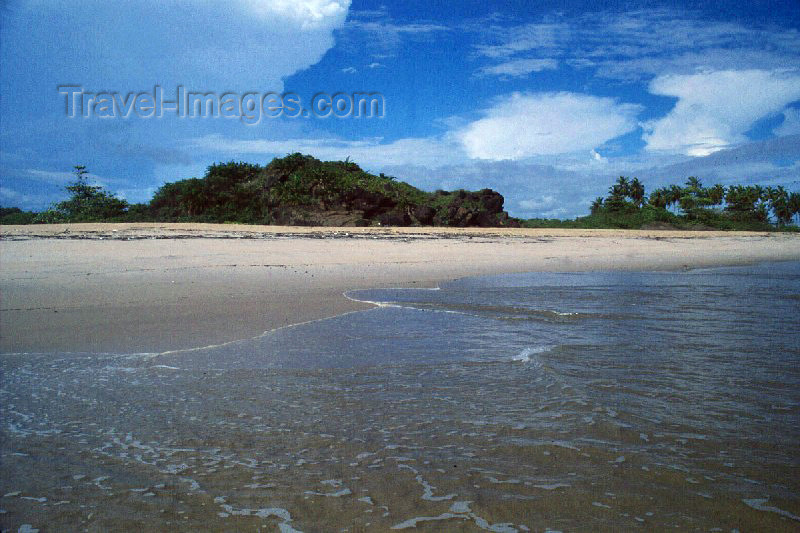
[(158, 287), (598, 401)]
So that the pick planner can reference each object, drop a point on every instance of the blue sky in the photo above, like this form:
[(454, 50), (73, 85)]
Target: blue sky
[(545, 102)]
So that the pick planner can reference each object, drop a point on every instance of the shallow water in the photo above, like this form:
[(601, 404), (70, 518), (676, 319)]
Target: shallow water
[(573, 402)]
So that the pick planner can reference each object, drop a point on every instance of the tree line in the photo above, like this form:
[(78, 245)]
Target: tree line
[(717, 206)]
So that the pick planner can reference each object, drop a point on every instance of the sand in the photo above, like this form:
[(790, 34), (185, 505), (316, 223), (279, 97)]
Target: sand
[(133, 288)]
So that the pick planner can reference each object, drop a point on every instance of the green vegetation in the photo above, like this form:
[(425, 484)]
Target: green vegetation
[(15, 215), (691, 207), (87, 203), (301, 190)]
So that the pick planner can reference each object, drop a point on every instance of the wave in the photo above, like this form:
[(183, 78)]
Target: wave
[(528, 355), (496, 311)]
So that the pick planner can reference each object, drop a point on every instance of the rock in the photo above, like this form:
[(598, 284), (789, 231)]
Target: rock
[(491, 200), (393, 218), (484, 219), (424, 214), (371, 203)]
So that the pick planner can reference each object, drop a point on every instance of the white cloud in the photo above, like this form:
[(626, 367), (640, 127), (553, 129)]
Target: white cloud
[(308, 14), (12, 198), (349, 70), (430, 152), (550, 37), (520, 67), (791, 122), (379, 35), (715, 109), (395, 29), (526, 125), (538, 204), (636, 45), (243, 45), (762, 162)]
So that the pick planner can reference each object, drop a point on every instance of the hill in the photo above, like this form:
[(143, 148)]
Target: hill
[(302, 190)]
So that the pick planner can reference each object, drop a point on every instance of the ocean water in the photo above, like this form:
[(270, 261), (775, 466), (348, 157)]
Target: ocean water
[(611, 401)]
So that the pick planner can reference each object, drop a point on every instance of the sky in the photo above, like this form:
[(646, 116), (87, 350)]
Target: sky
[(546, 102)]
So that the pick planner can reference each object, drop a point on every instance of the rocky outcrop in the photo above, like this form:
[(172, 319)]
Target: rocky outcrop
[(464, 209), (302, 190)]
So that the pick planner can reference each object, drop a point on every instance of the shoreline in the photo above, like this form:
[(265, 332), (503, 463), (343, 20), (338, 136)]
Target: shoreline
[(150, 288), (181, 230)]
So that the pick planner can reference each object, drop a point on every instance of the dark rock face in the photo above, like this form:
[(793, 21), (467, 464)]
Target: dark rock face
[(491, 200), (483, 208), (424, 214), (371, 203), (460, 209), (394, 218)]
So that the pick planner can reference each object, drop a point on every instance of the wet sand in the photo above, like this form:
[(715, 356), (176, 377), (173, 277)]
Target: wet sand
[(185, 442), (155, 287)]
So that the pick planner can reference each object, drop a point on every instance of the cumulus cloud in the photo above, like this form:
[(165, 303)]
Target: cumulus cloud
[(308, 14), (715, 109), (524, 125), (129, 45)]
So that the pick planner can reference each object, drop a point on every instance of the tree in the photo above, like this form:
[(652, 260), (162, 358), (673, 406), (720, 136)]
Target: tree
[(778, 200), (622, 188), (716, 194), (673, 195), (617, 194), (746, 203), (693, 184), (597, 205), (794, 204), (87, 203), (658, 198), (636, 192)]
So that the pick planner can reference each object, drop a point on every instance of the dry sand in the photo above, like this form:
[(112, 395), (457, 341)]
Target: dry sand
[(157, 287)]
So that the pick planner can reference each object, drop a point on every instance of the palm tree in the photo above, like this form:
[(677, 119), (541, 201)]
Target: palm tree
[(636, 192), (621, 188), (716, 194), (674, 194), (794, 204), (597, 205), (617, 194), (694, 184), (658, 198), (779, 203)]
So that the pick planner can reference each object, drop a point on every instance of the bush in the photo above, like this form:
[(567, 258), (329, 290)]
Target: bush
[(15, 215)]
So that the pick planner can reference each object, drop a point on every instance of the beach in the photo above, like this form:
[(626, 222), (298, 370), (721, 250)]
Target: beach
[(158, 287), (237, 378)]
